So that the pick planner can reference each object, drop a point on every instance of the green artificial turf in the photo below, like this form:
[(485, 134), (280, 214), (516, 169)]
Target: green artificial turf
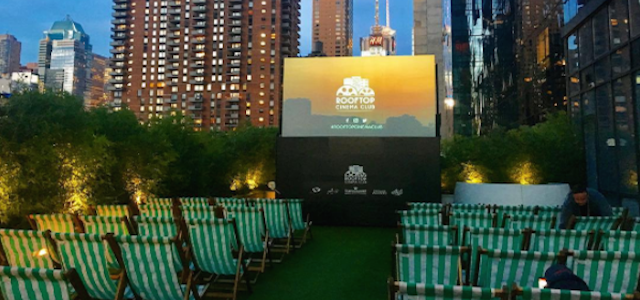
[(339, 263)]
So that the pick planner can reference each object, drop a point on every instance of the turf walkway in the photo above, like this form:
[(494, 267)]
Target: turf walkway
[(339, 263)]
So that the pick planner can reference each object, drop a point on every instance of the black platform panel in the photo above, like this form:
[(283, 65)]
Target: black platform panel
[(358, 181)]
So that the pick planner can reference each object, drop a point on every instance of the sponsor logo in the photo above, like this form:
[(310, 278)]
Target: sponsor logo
[(379, 193), (355, 95), (355, 191), (355, 175), (397, 192), (333, 191), (316, 190)]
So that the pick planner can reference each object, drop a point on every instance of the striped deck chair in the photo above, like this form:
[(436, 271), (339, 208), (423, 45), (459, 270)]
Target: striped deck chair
[(214, 242), (498, 268), (26, 248), (555, 294), (252, 233), (152, 210), (471, 220), (530, 221), (158, 201), (595, 223), (198, 212), (151, 268), (434, 235), (104, 225), (194, 201), (41, 284), (420, 217), (429, 264), (298, 222), (636, 226), (113, 210), (224, 202), (625, 241), (469, 208), (421, 291), (151, 226), (617, 210), (90, 256), (492, 238), (555, 240), (553, 211), (425, 206), (607, 271), (55, 223), (275, 211), (503, 211)]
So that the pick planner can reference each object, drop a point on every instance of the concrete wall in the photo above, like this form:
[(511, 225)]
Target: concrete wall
[(511, 194)]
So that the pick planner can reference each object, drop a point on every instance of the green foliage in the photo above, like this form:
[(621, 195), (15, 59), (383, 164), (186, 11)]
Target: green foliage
[(545, 153), (57, 157)]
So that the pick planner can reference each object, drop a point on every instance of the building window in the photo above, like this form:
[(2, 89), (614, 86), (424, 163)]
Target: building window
[(619, 14)]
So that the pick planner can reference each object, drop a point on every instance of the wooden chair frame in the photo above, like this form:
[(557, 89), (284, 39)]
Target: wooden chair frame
[(393, 288)]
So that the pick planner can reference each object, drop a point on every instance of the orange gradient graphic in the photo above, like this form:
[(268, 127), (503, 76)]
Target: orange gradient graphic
[(403, 85)]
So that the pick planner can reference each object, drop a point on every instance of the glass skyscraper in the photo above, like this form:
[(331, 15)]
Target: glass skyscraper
[(603, 85), (65, 58)]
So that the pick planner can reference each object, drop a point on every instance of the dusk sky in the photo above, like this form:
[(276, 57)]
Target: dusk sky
[(27, 19)]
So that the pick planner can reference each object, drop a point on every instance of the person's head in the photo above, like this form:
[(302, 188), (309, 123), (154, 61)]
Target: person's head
[(558, 276), (580, 195)]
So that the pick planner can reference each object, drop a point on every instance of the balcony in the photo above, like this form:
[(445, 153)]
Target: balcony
[(119, 21), (197, 98), (120, 1), (116, 80), (173, 59), (233, 99), (199, 1), (119, 36), (199, 17), (196, 73), (173, 75), (200, 24), (197, 66), (196, 107), (236, 16), (174, 43), (175, 11), (119, 14), (231, 116), (117, 43), (120, 28), (232, 107), (172, 67), (235, 39), (120, 7), (117, 58), (118, 50), (199, 8), (175, 20), (196, 81), (199, 32), (116, 73), (198, 41), (175, 3)]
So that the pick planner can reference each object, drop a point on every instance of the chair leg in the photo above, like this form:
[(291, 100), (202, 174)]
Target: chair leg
[(264, 260)]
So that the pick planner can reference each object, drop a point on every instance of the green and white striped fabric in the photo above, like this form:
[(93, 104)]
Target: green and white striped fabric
[(34, 284), (625, 241), (26, 248), (557, 239), (512, 211), (198, 212), (434, 235), (530, 221), (194, 201), (213, 244), (499, 268), (425, 206), (150, 266), (55, 223), (596, 223), (469, 208), (429, 264), (555, 294), (421, 291), (420, 217), (275, 211), (493, 238), (636, 226), (151, 226), (607, 271), (224, 202), (112, 210), (617, 210), (471, 220), (89, 255), (159, 201), (552, 211), (104, 225), (250, 225), (295, 211), (152, 210)]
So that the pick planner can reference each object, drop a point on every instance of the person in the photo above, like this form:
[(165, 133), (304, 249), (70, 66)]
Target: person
[(558, 276), (584, 202)]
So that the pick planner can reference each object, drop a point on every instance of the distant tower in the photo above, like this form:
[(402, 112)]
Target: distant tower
[(9, 54), (333, 26), (382, 40)]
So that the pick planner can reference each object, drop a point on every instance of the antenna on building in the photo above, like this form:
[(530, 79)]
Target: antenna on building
[(388, 16), (377, 13)]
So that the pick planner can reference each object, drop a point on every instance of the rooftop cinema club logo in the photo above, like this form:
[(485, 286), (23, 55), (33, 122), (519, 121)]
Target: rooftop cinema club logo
[(355, 95)]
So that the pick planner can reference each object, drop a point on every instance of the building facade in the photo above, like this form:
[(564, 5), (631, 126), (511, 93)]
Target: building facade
[(333, 26), (65, 55), (9, 54), (602, 39), (218, 62), (97, 93)]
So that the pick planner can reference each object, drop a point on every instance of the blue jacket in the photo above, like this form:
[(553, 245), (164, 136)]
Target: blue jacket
[(598, 207)]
